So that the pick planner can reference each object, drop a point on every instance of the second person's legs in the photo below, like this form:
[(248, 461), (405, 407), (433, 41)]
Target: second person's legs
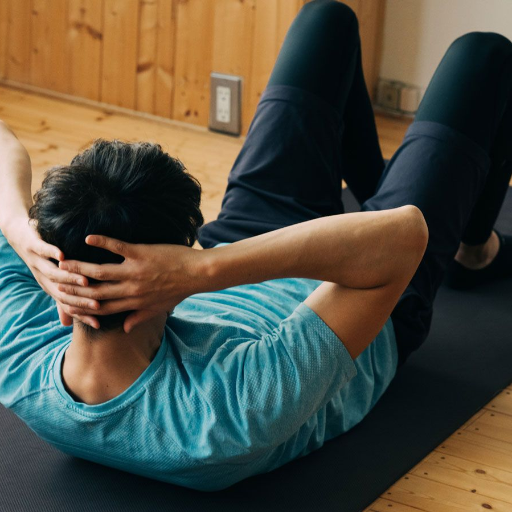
[(444, 164)]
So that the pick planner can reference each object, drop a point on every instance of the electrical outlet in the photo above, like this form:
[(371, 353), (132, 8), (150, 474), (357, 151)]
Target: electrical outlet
[(388, 95), (398, 97), (223, 110), (225, 103)]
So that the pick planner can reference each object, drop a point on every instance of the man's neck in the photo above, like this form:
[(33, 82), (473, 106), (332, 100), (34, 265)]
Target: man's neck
[(99, 367)]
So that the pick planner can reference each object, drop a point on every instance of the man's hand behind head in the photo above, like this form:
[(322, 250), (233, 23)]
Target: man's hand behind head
[(153, 278)]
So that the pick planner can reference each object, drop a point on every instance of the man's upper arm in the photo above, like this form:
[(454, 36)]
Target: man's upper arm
[(25, 310), (17, 287)]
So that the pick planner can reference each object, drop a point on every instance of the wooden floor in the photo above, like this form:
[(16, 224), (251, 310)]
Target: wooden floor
[(471, 470)]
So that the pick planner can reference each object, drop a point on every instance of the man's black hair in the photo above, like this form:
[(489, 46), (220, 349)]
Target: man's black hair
[(134, 192)]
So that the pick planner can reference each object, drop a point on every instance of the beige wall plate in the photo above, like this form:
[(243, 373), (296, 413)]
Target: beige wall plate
[(225, 103)]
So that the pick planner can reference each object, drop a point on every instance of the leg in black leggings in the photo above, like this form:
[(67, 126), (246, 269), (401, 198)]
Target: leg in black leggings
[(445, 165), (314, 125), (330, 66), (488, 121)]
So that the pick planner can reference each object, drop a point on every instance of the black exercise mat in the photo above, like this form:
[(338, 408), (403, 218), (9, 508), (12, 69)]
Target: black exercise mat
[(464, 363)]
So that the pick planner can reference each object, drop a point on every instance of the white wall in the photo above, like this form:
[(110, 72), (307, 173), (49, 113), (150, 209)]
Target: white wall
[(417, 33)]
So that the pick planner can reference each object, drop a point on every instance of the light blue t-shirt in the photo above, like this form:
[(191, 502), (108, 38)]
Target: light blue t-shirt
[(245, 380)]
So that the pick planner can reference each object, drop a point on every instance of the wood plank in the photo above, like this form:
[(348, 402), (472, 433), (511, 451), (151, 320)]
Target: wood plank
[(391, 132), (18, 34), (85, 19), (383, 505), (50, 45), (432, 496), (473, 419), (164, 79), (232, 48), (271, 23), (146, 69), (494, 425), (480, 479), (501, 403), (480, 449), (355, 5), (43, 43), (370, 14), (4, 21), (119, 58), (371, 22), (193, 60)]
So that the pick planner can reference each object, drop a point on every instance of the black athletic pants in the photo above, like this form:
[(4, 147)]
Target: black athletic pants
[(314, 126)]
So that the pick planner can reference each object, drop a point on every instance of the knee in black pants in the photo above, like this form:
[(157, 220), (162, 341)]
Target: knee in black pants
[(490, 54), (486, 51), (331, 9), (471, 86), (319, 51), (330, 21), (493, 41)]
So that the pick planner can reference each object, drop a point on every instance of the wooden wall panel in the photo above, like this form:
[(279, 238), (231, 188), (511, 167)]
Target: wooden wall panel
[(85, 18), (119, 59), (4, 23), (49, 63), (232, 45), (272, 21), (193, 60), (18, 37), (146, 68), (164, 80), (156, 56), (371, 17), (354, 4)]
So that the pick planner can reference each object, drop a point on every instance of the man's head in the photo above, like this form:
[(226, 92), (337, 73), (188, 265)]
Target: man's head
[(130, 191)]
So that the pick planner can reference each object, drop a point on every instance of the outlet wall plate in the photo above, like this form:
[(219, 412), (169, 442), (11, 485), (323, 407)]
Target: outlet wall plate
[(388, 95), (225, 103), (397, 97), (409, 99)]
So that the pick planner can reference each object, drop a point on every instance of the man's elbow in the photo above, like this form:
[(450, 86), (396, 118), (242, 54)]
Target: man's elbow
[(416, 233)]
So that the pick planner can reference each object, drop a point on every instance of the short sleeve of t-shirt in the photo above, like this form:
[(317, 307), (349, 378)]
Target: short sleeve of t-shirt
[(268, 387), (28, 322)]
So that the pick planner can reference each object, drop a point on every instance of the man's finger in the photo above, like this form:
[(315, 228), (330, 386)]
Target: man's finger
[(89, 320), (105, 272), (78, 306), (87, 306), (49, 251), (57, 275), (136, 318), (110, 244), (109, 307), (102, 291), (86, 319), (65, 319)]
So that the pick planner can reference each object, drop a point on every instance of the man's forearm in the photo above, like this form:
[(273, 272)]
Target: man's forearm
[(15, 180), (357, 250)]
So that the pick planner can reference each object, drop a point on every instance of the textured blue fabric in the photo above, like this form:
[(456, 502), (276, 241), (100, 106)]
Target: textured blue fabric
[(245, 380)]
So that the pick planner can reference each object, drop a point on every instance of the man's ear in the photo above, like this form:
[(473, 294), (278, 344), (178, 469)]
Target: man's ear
[(65, 319)]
